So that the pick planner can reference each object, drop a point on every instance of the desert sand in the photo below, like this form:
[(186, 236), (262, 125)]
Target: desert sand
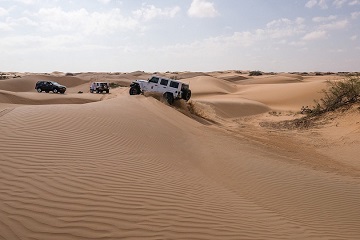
[(115, 166)]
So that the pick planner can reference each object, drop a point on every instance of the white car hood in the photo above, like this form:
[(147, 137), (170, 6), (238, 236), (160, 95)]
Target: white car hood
[(141, 81)]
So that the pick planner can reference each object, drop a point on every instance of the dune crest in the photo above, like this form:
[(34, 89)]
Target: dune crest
[(203, 85)]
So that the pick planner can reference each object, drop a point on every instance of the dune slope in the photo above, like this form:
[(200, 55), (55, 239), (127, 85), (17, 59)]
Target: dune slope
[(27, 98), (133, 168)]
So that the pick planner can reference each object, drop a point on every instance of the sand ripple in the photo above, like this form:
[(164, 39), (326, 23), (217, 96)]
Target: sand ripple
[(131, 167)]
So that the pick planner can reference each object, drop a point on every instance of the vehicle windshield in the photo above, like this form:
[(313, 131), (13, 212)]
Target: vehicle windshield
[(56, 84), (154, 80)]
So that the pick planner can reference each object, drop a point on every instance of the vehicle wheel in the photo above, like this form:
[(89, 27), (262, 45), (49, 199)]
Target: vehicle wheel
[(134, 91), (55, 91), (91, 91), (39, 90), (62, 92), (107, 91), (186, 95), (169, 98)]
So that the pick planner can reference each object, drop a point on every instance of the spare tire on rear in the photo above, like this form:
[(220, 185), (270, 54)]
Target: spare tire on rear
[(186, 95)]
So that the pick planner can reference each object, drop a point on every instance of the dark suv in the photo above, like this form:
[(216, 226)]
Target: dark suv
[(48, 86)]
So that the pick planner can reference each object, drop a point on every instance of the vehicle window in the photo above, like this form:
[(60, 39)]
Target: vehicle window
[(164, 82), (154, 80), (174, 84)]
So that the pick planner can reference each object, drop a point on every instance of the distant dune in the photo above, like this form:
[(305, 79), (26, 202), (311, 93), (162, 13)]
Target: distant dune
[(115, 166)]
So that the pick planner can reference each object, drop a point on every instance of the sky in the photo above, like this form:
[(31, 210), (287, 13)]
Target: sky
[(179, 35)]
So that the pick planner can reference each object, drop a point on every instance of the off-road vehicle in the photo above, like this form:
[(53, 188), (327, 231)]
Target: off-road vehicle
[(99, 87), (48, 86), (169, 88)]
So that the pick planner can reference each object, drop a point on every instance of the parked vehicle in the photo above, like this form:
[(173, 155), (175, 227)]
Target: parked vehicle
[(100, 87), (171, 89), (48, 86)]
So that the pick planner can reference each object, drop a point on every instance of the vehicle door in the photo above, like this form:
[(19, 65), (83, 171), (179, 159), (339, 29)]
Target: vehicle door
[(153, 84), (174, 88), (48, 86), (41, 85), (163, 85)]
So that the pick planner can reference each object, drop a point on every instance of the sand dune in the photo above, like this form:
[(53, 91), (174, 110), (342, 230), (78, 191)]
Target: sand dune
[(24, 98), (271, 79), (284, 96), (209, 85), (342, 136), (27, 83), (184, 75), (232, 107), (124, 79), (230, 76), (131, 167)]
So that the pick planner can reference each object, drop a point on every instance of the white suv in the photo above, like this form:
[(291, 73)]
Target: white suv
[(99, 87), (169, 88)]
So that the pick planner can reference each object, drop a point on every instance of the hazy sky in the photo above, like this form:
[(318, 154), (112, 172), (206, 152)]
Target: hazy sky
[(179, 35)]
